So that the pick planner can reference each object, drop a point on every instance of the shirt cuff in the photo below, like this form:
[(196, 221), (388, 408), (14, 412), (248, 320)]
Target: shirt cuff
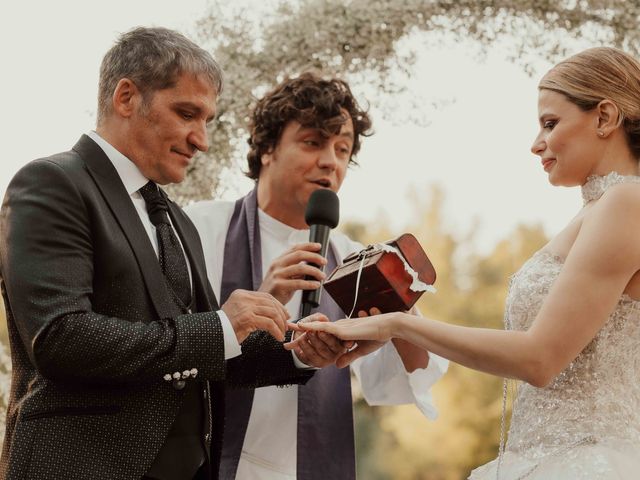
[(422, 379), (231, 346)]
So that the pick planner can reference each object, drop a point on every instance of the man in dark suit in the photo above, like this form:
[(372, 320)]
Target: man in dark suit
[(120, 351)]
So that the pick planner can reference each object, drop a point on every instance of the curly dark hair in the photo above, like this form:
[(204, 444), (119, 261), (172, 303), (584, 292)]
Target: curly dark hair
[(313, 102)]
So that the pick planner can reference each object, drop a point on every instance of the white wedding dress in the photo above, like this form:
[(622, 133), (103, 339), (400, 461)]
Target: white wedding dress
[(586, 423)]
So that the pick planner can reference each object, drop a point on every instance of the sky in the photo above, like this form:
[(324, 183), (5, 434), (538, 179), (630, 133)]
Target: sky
[(474, 143)]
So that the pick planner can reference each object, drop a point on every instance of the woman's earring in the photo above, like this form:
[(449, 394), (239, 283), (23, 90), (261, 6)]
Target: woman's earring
[(600, 133)]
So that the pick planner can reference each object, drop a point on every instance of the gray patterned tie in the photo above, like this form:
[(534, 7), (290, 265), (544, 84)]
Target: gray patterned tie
[(170, 253)]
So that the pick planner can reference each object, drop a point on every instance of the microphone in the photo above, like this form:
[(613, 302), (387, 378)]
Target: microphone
[(322, 214)]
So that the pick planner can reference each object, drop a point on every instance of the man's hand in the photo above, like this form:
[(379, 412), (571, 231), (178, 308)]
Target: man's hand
[(286, 273), (317, 349), (250, 311), (369, 334)]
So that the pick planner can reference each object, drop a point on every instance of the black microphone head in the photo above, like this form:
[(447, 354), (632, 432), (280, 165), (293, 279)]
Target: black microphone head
[(323, 208)]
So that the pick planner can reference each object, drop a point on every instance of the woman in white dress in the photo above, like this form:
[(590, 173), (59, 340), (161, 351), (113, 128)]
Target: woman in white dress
[(573, 309)]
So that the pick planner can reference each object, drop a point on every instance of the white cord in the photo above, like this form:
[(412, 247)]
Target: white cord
[(355, 299)]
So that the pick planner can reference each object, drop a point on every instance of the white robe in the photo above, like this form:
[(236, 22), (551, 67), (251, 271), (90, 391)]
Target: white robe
[(269, 449)]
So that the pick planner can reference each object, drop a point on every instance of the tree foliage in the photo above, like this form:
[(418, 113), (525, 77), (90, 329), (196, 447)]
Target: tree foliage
[(366, 42)]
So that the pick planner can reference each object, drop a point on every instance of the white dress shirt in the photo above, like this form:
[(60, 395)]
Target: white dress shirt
[(269, 449), (133, 180)]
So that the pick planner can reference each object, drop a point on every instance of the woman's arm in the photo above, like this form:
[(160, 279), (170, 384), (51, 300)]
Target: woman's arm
[(602, 260)]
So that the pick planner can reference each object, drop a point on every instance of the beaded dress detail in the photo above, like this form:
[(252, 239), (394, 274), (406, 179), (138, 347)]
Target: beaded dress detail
[(586, 423)]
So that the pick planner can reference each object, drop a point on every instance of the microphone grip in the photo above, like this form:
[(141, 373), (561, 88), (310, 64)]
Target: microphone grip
[(320, 234), (311, 298), (306, 310)]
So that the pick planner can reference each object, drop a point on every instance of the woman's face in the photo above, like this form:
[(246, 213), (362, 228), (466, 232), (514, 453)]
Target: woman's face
[(567, 143)]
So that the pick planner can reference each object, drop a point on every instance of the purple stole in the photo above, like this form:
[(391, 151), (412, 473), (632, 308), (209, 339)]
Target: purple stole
[(325, 416)]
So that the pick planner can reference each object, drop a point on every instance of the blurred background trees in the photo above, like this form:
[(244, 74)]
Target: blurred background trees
[(374, 45)]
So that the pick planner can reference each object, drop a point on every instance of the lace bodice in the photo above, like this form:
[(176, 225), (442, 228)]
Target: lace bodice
[(597, 397)]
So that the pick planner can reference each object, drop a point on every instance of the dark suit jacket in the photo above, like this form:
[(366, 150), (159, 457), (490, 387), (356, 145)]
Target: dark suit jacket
[(93, 329)]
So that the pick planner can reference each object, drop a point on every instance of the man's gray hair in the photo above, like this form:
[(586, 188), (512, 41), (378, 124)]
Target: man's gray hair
[(153, 59)]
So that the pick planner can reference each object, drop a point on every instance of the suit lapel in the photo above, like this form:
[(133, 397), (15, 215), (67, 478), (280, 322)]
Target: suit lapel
[(119, 201)]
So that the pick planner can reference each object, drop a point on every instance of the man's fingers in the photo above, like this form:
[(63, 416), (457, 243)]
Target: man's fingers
[(321, 348), (309, 246), (315, 246), (299, 284), (332, 343), (346, 359), (362, 348), (282, 311), (250, 311), (301, 356), (310, 355), (294, 257), (293, 326), (372, 311), (293, 344), (268, 301), (300, 270), (267, 324), (240, 299), (273, 314)]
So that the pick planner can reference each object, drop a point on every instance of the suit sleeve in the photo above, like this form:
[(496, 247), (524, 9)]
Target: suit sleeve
[(264, 362), (46, 261)]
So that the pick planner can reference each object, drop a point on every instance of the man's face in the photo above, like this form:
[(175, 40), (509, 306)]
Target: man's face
[(304, 160), (167, 130)]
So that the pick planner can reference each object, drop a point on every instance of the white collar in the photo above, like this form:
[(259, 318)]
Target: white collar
[(131, 176)]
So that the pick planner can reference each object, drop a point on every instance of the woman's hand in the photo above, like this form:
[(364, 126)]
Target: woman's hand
[(369, 332)]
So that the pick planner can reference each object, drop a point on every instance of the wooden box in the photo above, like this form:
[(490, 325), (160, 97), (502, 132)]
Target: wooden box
[(384, 282)]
